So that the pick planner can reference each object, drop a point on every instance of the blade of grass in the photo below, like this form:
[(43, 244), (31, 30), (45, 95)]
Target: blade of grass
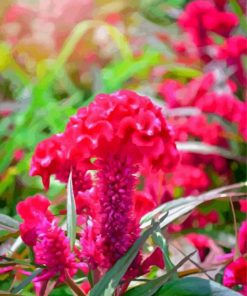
[(151, 287), (76, 35), (186, 204), (160, 240), (27, 281), (71, 213), (8, 223), (202, 148)]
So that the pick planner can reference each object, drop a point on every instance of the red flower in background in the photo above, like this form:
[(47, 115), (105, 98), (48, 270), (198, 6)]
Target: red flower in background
[(243, 205), (233, 51), (202, 243), (242, 238), (236, 274), (202, 17)]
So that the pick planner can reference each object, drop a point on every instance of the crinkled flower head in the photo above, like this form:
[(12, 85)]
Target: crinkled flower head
[(120, 123), (48, 159)]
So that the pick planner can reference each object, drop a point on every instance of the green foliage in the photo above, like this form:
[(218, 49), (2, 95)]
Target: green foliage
[(192, 286)]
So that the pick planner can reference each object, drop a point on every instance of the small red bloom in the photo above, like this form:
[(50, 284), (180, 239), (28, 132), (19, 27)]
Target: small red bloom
[(34, 211), (202, 243), (236, 273), (243, 205), (233, 50), (242, 238)]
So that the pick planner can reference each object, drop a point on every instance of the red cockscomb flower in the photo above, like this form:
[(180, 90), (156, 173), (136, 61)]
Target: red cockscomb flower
[(117, 135)]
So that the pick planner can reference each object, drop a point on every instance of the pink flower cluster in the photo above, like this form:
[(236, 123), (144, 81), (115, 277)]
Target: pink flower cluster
[(203, 21), (51, 247)]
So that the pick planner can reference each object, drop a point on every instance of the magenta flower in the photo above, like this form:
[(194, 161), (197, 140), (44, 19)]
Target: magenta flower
[(53, 251), (51, 247), (236, 274), (34, 211), (242, 238), (125, 134)]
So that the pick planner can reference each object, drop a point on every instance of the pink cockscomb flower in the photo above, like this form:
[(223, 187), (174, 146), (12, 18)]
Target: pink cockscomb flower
[(135, 133), (235, 273), (118, 135)]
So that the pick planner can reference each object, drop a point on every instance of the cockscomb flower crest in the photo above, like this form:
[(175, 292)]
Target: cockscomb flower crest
[(118, 135)]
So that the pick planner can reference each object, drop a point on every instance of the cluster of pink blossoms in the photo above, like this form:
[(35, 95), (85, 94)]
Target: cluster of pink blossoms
[(202, 21), (40, 231), (119, 136)]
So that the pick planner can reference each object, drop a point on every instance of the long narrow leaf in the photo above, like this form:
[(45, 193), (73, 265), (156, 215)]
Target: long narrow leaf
[(202, 148), (160, 240), (71, 213), (76, 35), (27, 281), (151, 287), (194, 286), (8, 223), (107, 285), (184, 205)]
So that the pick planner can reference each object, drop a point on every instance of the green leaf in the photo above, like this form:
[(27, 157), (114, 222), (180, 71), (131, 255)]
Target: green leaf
[(202, 148), (160, 240), (239, 12), (115, 75), (192, 286), (71, 213), (107, 285), (27, 281), (151, 287), (8, 223), (76, 35), (184, 72)]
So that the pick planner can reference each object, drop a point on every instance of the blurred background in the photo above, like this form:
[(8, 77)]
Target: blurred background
[(189, 57)]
